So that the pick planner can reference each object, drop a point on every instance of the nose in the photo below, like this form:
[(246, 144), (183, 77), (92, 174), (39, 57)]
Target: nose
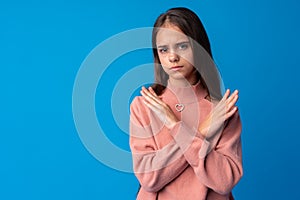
[(173, 57)]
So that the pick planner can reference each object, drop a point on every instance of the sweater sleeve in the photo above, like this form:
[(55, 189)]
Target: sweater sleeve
[(217, 163), (153, 166)]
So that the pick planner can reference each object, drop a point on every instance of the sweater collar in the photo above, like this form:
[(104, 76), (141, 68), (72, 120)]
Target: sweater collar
[(187, 94)]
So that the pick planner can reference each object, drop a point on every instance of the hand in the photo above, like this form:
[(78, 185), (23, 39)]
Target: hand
[(224, 109), (160, 108)]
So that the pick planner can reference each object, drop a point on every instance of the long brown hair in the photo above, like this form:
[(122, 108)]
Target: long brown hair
[(190, 24)]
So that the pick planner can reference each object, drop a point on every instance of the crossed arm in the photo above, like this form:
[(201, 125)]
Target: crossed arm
[(218, 167)]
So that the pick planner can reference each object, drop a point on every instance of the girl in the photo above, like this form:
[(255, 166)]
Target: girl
[(184, 136)]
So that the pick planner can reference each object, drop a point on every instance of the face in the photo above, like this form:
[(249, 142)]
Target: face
[(176, 55)]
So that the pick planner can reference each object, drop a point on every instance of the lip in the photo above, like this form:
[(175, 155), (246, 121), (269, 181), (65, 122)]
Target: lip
[(176, 68)]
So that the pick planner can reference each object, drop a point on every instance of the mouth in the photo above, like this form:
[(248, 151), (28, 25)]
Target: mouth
[(176, 68)]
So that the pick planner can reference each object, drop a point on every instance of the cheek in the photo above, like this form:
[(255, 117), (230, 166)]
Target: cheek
[(188, 57), (164, 63), (163, 60)]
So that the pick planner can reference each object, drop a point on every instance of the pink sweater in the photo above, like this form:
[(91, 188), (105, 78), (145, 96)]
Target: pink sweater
[(180, 163)]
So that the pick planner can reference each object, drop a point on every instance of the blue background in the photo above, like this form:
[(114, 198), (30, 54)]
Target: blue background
[(42, 45)]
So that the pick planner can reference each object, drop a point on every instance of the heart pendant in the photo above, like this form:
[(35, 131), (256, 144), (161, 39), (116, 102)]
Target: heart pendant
[(179, 107)]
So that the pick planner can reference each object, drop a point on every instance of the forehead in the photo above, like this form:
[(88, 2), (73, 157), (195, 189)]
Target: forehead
[(170, 35)]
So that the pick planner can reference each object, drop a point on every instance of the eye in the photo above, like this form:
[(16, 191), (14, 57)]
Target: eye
[(183, 46), (163, 50)]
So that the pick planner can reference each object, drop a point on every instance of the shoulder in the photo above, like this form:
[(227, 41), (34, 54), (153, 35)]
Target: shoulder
[(137, 104), (233, 124), (139, 112), (235, 118)]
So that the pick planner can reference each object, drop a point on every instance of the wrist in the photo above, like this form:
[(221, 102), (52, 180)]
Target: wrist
[(202, 131), (172, 123)]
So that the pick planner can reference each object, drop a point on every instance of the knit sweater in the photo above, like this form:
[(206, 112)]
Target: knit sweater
[(179, 163)]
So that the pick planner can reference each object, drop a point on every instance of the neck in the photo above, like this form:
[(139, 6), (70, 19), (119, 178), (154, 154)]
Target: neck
[(186, 94), (184, 82)]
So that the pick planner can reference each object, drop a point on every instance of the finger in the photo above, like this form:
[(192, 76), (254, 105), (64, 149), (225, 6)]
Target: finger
[(221, 105), (151, 106), (231, 112), (224, 107), (153, 95), (232, 102), (225, 95), (232, 96), (152, 92), (151, 101), (148, 93), (147, 96), (158, 110)]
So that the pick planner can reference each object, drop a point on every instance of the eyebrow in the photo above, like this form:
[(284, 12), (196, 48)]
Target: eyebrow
[(179, 43)]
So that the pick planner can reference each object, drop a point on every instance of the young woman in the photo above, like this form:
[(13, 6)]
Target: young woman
[(184, 135)]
